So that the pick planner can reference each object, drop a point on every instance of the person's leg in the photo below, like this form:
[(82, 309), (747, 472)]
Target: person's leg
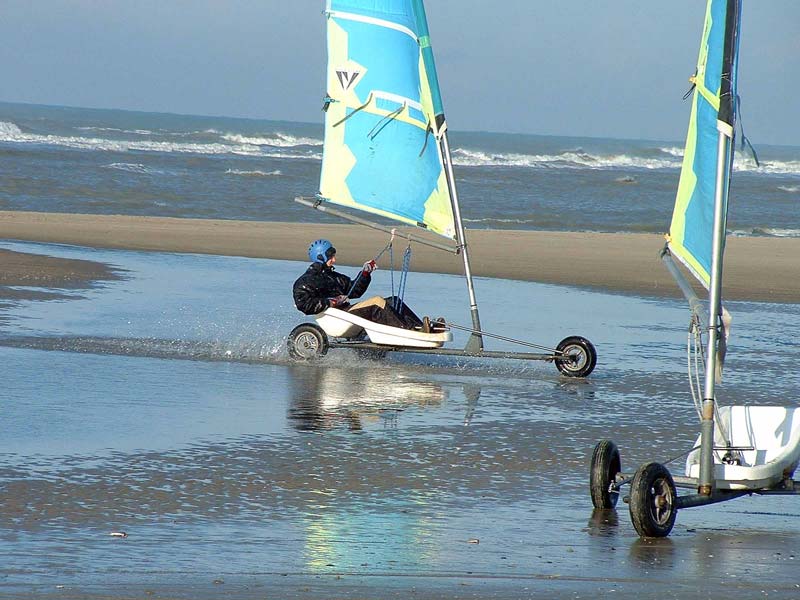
[(404, 313), (373, 301), (377, 314)]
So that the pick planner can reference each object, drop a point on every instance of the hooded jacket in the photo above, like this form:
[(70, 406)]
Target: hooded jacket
[(314, 288)]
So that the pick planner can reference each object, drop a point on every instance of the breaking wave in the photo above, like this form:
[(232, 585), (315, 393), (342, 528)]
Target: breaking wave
[(767, 232), (255, 173), (132, 168), (280, 140), (115, 129), (9, 132), (792, 189), (571, 159), (579, 159)]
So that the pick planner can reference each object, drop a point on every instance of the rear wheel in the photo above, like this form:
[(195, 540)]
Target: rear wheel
[(575, 356), (606, 465), (307, 342), (652, 502)]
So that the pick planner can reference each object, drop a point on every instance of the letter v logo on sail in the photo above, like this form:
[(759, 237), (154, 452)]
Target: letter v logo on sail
[(347, 78)]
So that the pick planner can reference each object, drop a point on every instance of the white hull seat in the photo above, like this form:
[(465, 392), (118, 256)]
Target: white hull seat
[(342, 324), (774, 434)]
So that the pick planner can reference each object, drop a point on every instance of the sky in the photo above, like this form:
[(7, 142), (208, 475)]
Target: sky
[(601, 68)]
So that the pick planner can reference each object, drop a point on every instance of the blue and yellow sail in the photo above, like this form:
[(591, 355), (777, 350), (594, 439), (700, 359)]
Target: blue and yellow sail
[(384, 116), (713, 110)]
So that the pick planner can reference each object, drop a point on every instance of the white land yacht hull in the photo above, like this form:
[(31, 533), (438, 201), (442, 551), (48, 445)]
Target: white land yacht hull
[(766, 440), (342, 324)]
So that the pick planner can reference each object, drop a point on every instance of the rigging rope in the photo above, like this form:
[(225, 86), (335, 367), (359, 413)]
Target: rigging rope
[(401, 288), (694, 349)]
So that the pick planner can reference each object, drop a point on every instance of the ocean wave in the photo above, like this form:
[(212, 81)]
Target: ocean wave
[(511, 221), (132, 168), (255, 173), (9, 132), (280, 140), (743, 161), (117, 130), (675, 151), (766, 232), (792, 189), (771, 167), (571, 159), (580, 159)]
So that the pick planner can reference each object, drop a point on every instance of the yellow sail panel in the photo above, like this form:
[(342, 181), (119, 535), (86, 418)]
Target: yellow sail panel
[(381, 152)]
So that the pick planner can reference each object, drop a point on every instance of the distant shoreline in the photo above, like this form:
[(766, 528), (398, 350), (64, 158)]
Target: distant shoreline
[(757, 269)]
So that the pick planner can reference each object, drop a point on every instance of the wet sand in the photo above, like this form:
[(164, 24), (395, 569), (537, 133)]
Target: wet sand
[(239, 474), (760, 269), (29, 271)]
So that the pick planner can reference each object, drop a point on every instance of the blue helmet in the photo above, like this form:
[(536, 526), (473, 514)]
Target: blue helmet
[(321, 251)]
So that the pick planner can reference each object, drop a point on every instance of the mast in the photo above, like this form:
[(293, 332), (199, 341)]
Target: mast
[(725, 128), (439, 127), (475, 342)]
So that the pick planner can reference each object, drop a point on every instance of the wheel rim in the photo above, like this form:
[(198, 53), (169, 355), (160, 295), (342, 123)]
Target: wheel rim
[(661, 501), (574, 357), (307, 344)]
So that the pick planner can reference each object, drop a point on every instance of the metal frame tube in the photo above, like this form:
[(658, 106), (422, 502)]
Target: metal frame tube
[(315, 204), (475, 342), (706, 483)]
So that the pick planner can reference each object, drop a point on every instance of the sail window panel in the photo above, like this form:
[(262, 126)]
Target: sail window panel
[(390, 174), (394, 12), (390, 60)]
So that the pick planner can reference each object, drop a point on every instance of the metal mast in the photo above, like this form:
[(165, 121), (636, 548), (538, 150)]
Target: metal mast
[(725, 126)]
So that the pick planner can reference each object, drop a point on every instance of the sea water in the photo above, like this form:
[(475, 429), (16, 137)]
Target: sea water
[(164, 405), (116, 162)]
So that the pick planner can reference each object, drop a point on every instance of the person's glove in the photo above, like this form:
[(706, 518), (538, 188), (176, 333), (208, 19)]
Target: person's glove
[(369, 266), (338, 301)]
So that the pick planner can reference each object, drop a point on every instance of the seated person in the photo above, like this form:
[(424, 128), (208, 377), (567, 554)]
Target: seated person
[(321, 287)]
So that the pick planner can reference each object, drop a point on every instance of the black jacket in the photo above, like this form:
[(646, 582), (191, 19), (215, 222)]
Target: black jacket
[(319, 283)]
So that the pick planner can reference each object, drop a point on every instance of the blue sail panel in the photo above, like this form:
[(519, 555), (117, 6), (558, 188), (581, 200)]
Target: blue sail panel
[(381, 152), (713, 108)]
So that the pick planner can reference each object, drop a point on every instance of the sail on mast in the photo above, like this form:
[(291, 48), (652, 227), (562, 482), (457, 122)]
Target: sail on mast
[(699, 221), (386, 150), (384, 115), (713, 112)]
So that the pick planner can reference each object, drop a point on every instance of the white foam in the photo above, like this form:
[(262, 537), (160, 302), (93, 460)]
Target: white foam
[(134, 131), (572, 159), (280, 140), (743, 161), (768, 232), (132, 168), (792, 189), (255, 173), (9, 131), (490, 220)]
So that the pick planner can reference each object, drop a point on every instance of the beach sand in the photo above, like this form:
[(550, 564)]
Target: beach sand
[(760, 269)]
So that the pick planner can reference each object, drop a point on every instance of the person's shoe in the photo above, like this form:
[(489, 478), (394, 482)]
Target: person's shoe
[(426, 325), (438, 325)]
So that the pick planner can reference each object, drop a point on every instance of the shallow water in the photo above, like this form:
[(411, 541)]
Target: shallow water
[(165, 405)]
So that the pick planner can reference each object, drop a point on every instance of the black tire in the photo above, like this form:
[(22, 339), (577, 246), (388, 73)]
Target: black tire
[(652, 501), (307, 342), (606, 465), (575, 356)]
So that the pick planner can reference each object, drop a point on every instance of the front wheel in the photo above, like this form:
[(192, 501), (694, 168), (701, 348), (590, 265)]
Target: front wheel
[(575, 356), (606, 465), (652, 501), (307, 342)]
